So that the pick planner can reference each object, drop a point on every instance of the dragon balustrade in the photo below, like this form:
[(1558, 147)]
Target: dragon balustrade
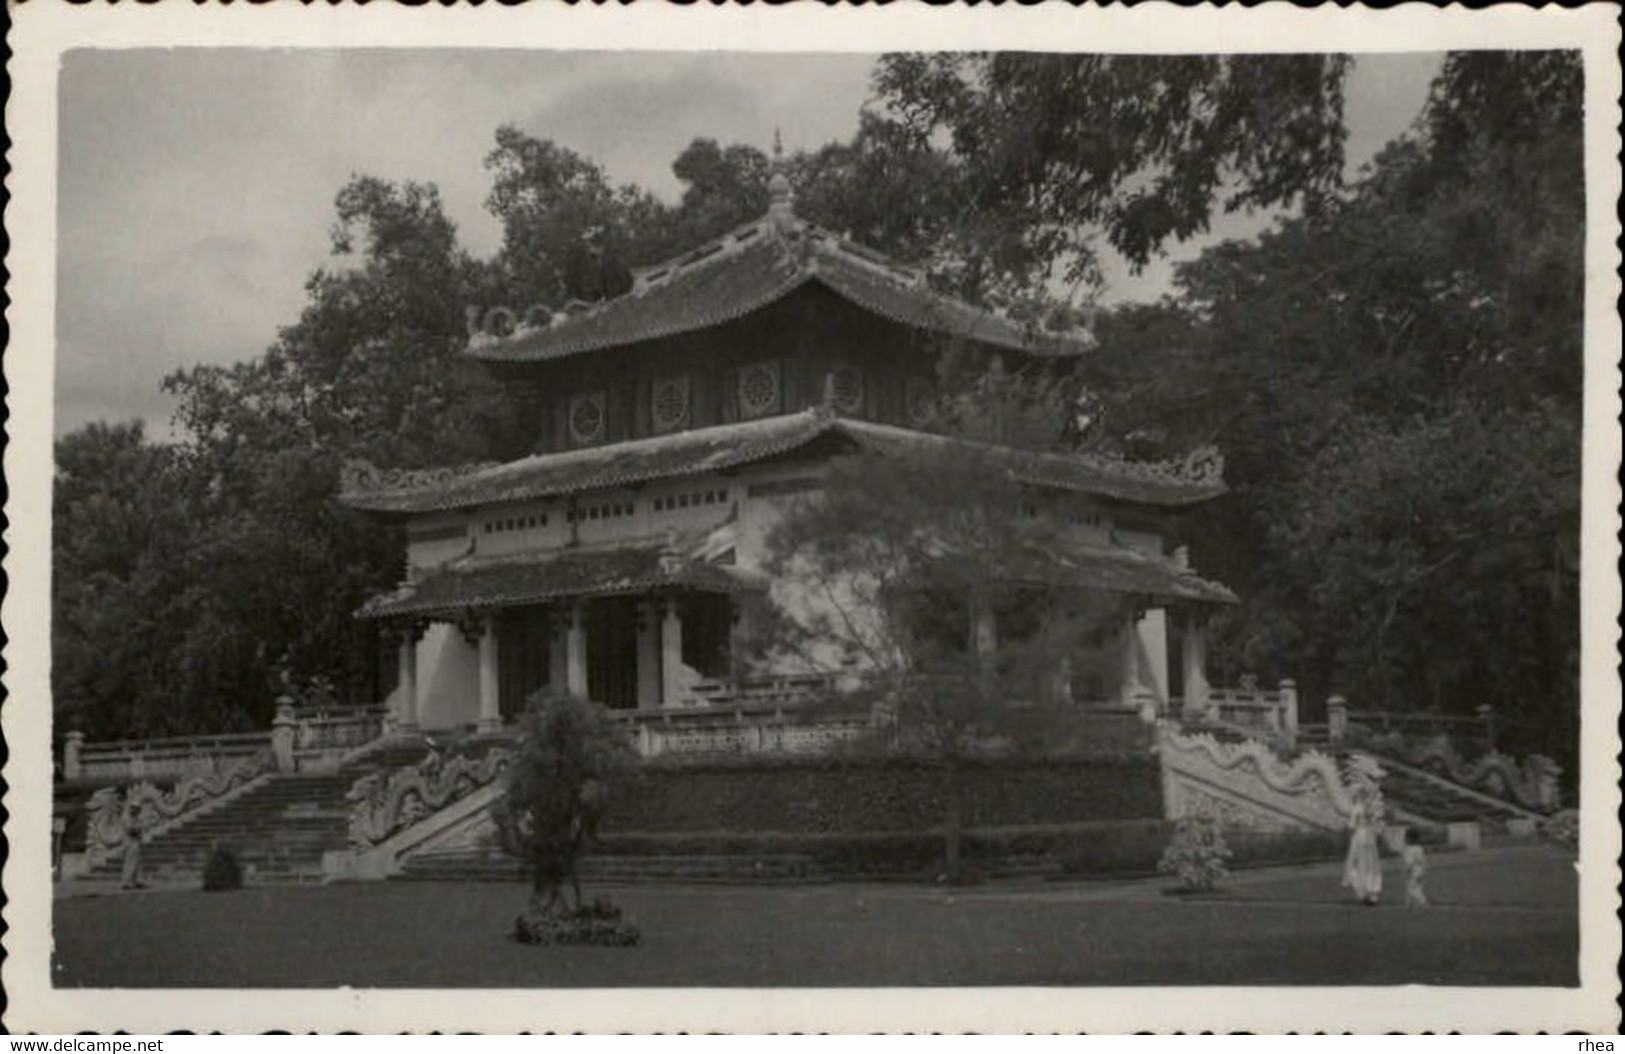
[(385, 803), (1532, 784), (1247, 784), (205, 782)]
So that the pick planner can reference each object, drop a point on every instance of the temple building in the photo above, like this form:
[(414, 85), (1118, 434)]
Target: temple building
[(623, 560)]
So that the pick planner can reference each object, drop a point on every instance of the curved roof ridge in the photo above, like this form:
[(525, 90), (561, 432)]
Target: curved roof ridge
[(755, 264)]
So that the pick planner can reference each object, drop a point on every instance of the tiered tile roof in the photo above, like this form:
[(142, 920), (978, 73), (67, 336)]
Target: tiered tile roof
[(709, 450), (756, 265), (472, 584)]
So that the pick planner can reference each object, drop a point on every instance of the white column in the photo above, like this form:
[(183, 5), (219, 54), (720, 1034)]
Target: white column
[(575, 652), (406, 716), (649, 674), (490, 693), (1289, 707), (1193, 655), (1129, 643), (671, 655), (1153, 630)]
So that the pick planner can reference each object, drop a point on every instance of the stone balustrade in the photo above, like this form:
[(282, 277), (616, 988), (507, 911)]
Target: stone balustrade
[(384, 804), (122, 760), (1271, 713), (1247, 784), (203, 783), (299, 738), (757, 727)]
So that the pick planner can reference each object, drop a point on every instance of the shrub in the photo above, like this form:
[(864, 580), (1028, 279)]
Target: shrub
[(222, 871), (1196, 854)]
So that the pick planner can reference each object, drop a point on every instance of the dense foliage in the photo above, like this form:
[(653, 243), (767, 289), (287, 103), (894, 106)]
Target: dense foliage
[(1396, 382), (571, 753), (1393, 371)]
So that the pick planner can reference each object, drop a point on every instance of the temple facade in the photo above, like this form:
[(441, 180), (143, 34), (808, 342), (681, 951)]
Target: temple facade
[(623, 560)]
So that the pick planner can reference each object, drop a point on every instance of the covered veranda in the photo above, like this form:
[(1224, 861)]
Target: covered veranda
[(632, 627)]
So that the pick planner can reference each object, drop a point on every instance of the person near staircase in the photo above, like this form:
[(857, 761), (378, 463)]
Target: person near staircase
[(133, 830), (1362, 870)]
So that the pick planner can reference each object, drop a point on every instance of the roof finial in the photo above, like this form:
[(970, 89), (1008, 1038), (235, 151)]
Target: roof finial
[(778, 184)]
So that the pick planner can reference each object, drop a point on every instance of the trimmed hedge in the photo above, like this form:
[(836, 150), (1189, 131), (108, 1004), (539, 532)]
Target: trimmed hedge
[(859, 794), (1101, 848)]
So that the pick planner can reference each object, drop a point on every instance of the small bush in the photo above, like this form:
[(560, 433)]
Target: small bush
[(222, 871), (1196, 854)]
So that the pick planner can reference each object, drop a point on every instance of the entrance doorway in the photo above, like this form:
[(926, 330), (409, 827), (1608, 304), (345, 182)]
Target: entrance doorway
[(524, 653), (612, 652)]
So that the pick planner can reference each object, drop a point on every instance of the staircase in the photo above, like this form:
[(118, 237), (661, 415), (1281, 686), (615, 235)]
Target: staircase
[(1409, 791), (1438, 801), (278, 830)]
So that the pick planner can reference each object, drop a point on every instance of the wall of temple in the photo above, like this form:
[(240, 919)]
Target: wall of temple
[(753, 499), (712, 377), (448, 678)]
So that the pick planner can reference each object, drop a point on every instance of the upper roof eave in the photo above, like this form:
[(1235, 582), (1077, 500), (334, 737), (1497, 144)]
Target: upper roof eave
[(722, 447)]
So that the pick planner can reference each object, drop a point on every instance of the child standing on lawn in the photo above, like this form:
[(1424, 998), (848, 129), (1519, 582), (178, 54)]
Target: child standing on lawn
[(1415, 859)]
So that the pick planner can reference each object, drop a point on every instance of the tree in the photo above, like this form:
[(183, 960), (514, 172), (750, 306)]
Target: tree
[(1395, 378), (116, 519), (1053, 151), (950, 599), (571, 754)]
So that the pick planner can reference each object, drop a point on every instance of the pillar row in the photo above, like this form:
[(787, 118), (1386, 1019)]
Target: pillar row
[(575, 652), (408, 706), (490, 694), (671, 655)]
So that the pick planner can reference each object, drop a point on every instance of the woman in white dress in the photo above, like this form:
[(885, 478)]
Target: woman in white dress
[(1362, 870)]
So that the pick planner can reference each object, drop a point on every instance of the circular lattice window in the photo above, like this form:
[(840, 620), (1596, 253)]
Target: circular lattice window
[(921, 398), (587, 418), (759, 389), (668, 404), (846, 389)]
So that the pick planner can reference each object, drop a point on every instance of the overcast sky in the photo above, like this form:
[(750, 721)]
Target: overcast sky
[(196, 186)]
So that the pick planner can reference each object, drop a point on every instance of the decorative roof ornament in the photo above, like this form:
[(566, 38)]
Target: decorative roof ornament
[(781, 199), (671, 555)]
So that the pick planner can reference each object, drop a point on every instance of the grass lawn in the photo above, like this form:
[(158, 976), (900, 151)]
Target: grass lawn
[(1502, 918)]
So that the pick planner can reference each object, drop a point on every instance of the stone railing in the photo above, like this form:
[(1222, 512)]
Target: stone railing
[(206, 782), (328, 734), (743, 728), (1532, 784), (1347, 725), (787, 688), (300, 737), (1267, 713), (385, 803), (117, 761), (1248, 784)]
